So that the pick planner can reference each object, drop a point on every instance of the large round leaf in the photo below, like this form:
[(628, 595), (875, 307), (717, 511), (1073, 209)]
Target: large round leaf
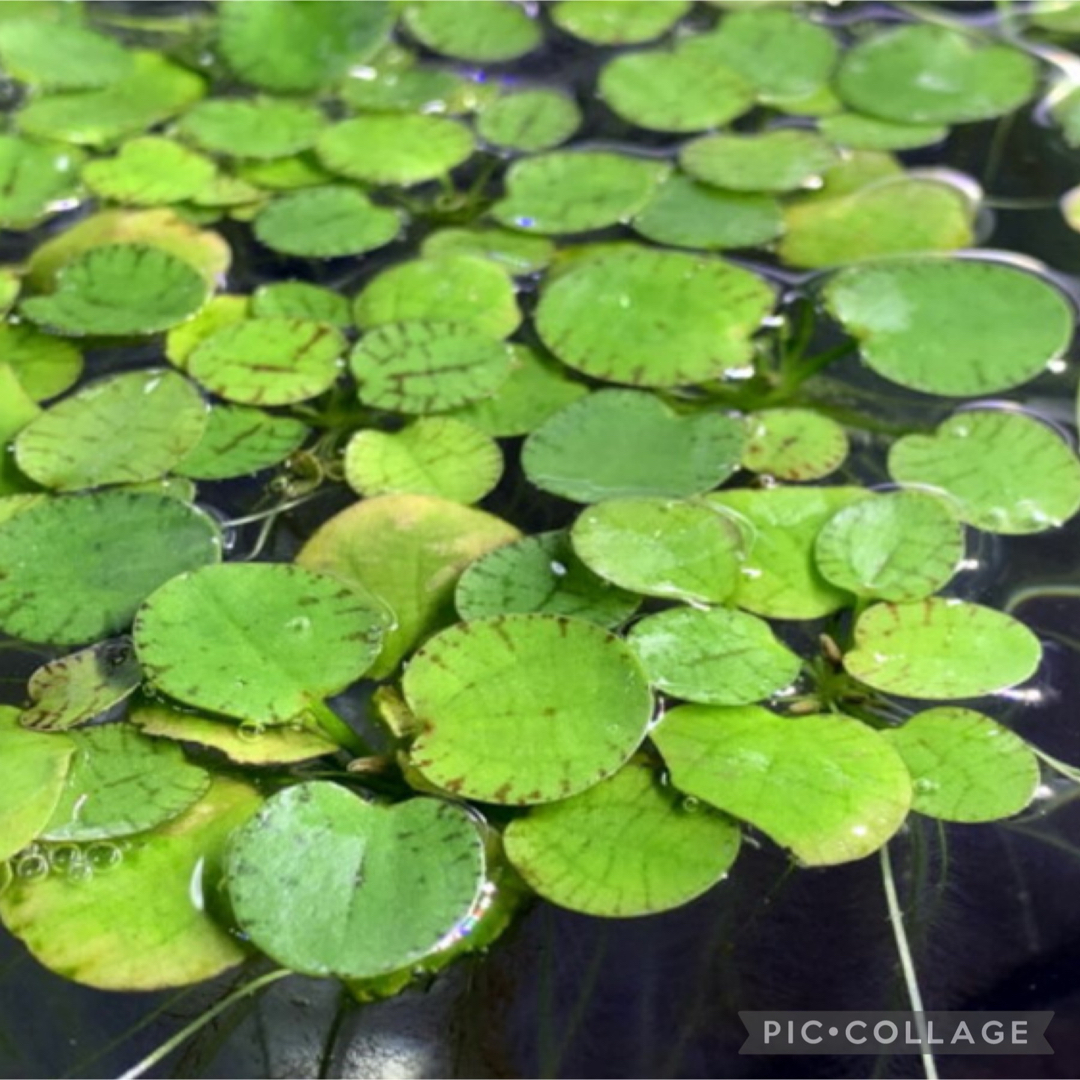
[(627, 846), (75, 568), (74, 444), (483, 31), (781, 160), (53, 55), (259, 641), (956, 327), (617, 22), (1007, 472), (652, 318), (945, 649), (262, 127), (525, 708), (615, 443), (408, 550), (378, 887), (34, 178), (141, 924), (238, 441), (45, 366), (326, 223), (121, 289), (827, 787), (529, 120)]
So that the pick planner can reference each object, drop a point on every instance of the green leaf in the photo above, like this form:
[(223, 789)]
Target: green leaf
[(294, 46), (859, 132), (408, 550), (123, 289), (326, 223), (425, 367), (794, 444), (81, 686), (540, 575), (529, 120), (826, 787), (627, 846), (535, 390), (652, 318), (250, 744), (140, 923), (780, 579), (965, 766), (45, 366), (676, 90), (462, 289), (219, 312), (901, 546), (781, 160), (956, 327), (150, 171), (519, 736), (262, 128), (416, 89), (269, 361), (716, 657), (784, 57), (941, 649), (616, 443), (35, 180), (73, 444), (284, 174), (301, 300), (896, 216), (483, 31), (33, 769), (17, 409), (684, 213), (432, 456), (1007, 472), (381, 888), (60, 56), (617, 22), (263, 642), (517, 253), (568, 191), (57, 587), (390, 149), (661, 547), (239, 441), (153, 91), (924, 74), (121, 783)]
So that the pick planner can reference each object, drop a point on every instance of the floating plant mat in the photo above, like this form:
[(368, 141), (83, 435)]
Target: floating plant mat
[(434, 476)]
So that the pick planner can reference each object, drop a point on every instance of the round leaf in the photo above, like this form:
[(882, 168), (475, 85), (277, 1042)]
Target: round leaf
[(379, 888), (259, 641), (301, 300), (529, 120), (902, 546), (525, 708), (625, 847), (661, 547), (45, 366), (483, 31), (56, 586), (943, 649), (965, 766), (872, 133), (827, 787), (1007, 472), (617, 22), (149, 172), (326, 223), (616, 443), (771, 161), (262, 128), (60, 56), (652, 318), (716, 657), (33, 180), (517, 253), (221, 311), (238, 441), (955, 327), (794, 444)]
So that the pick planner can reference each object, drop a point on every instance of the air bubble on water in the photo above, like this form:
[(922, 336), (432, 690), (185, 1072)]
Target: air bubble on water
[(103, 855), (300, 625), (690, 804), (250, 731), (31, 864), (558, 568), (925, 786), (79, 871)]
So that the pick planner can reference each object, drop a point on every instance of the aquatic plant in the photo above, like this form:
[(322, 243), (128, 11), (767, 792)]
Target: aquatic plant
[(684, 615)]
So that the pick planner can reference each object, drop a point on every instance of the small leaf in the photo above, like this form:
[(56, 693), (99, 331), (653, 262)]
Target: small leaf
[(150, 171), (262, 128), (941, 649), (517, 253), (826, 787), (381, 887), (794, 444), (624, 847), (1005, 471), (965, 766), (617, 22), (301, 300), (416, 89), (326, 223), (431, 456), (781, 160), (34, 179), (860, 132), (483, 31), (60, 56), (46, 366), (219, 312), (519, 736), (529, 120), (716, 657), (258, 641), (239, 441), (661, 547), (617, 443)]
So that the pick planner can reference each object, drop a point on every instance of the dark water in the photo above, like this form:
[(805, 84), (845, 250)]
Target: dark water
[(992, 910)]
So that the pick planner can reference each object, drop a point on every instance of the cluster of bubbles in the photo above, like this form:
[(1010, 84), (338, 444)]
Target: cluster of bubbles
[(76, 862)]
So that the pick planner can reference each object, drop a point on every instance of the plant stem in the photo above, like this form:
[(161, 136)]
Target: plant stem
[(907, 964), (185, 1033), (336, 729), (1070, 772)]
